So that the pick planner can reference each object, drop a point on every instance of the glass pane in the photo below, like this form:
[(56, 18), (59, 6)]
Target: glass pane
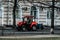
[(33, 11)]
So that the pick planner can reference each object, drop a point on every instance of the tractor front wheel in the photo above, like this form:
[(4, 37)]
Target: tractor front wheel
[(34, 28)]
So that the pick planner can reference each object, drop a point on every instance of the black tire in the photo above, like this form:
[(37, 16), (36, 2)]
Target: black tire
[(18, 28), (34, 28), (23, 28)]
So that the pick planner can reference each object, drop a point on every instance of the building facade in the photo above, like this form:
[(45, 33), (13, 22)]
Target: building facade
[(42, 15)]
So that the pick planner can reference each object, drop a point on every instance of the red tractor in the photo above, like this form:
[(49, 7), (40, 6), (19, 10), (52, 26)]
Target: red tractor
[(28, 23)]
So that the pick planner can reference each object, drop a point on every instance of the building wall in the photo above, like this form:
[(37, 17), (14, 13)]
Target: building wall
[(8, 13), (8, 10)]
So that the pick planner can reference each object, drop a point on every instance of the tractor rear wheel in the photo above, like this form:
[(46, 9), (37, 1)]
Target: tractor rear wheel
[(34, 28), (23, 28), (18, 28)]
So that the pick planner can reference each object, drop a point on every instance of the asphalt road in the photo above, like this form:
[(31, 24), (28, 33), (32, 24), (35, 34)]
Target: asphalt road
[(14, 32)]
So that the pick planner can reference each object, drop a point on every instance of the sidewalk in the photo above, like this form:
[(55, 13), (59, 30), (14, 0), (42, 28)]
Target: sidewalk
[(35, 36)]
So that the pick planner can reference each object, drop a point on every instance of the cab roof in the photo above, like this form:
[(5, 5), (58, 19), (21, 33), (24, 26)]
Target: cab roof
[(28, 16)]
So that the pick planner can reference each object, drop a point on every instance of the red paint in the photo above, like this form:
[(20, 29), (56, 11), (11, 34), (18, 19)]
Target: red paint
[(33, 24), (21, 23)]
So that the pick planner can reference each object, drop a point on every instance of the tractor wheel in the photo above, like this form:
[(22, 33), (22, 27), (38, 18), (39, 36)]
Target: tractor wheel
[(23, 28), (34, 28), (18, 28)]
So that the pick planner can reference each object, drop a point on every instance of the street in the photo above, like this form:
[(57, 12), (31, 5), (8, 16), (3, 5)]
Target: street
[(14, 32)]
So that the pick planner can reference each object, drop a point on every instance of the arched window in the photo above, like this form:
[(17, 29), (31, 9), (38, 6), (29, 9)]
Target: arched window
[(49, 14), (33, 11), (17, 12)]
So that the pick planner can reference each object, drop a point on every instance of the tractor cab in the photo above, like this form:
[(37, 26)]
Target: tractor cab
[(28, 19)]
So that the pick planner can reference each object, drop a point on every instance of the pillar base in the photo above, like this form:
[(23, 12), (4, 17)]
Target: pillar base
[(52, 31)]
